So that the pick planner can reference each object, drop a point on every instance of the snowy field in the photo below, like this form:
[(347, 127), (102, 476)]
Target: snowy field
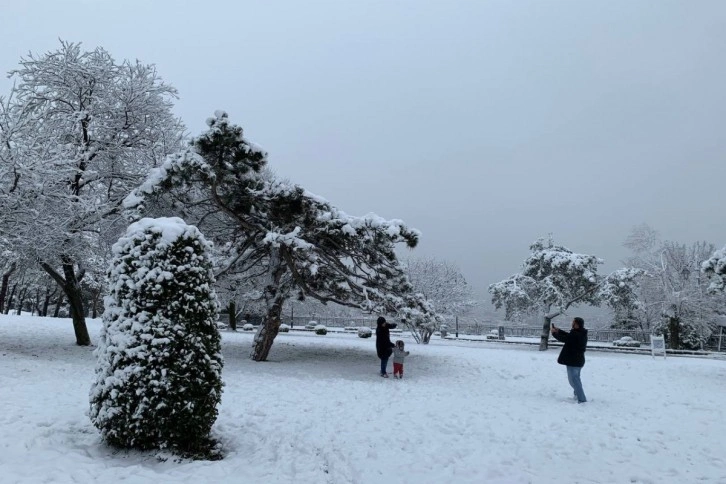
[(317, 412)]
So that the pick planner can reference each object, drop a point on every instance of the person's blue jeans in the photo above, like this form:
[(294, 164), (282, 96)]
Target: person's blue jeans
[(573, 376), (384, 364)]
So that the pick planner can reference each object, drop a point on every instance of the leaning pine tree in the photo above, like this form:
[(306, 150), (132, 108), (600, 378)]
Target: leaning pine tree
[(294, 242), (158, 376)]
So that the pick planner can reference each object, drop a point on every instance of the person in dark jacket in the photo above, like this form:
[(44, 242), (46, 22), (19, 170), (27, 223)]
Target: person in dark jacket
[(573, 354), (384, 345)]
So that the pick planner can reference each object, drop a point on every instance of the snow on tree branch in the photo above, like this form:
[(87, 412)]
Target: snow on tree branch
[(674, 298), (715, 270), (77, 133), (553, 278), (303, 243)]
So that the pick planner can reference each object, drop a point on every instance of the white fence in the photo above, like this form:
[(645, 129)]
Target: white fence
[(469, 328)]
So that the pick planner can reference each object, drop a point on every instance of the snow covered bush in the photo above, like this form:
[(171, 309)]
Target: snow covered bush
[(248, 327), (158, 375), (364, 332), (284, 328), (320, 329), (682, 333), (311, 325)]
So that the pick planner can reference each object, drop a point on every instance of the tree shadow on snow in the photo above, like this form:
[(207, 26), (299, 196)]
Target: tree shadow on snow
[(45, 347), (328, 359)]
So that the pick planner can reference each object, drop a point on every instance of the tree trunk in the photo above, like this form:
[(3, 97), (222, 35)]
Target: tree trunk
[(4, 286), (674, 333), (21, 301), (10, 299), (426, 336), (48, 296), (43, 311), (46, 302), (72, 289), (544, 338), (232, 315), (75, 299), (415, 332), (275, 296), (94, 303), (58, 304), (36, 302), (266, 334)]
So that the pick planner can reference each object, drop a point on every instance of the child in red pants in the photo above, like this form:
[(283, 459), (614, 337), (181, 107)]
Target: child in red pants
[(398, 355)]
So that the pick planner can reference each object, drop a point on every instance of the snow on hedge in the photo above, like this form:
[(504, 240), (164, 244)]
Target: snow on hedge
[(158, 375)]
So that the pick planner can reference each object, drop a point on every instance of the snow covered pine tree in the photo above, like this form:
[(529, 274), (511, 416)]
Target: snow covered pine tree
[(158, 376), (296, 242)]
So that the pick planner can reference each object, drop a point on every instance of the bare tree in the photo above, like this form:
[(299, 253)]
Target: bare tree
[(673, 291), (441, 283)]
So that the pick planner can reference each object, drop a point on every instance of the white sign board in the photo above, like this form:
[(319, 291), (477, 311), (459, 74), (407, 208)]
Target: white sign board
[(657, 345)]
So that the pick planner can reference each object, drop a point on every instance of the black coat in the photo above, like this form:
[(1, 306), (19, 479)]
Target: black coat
[(384, 346), (573, 352)]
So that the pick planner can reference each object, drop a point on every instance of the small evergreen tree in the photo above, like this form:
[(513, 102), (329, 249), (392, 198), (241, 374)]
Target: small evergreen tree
[(158, 376), (680, 333)]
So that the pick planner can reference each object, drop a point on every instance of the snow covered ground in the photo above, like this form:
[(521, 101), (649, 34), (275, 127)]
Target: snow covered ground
[(317, 412)]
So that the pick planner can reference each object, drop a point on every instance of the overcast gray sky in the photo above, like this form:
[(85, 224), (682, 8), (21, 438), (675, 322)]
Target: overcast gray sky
[(485, 124)]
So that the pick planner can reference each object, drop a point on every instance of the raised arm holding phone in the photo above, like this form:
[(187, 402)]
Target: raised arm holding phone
[(573, 354)]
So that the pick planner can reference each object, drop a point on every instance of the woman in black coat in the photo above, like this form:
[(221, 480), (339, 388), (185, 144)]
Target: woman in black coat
[(384, 346), (573, 354)]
